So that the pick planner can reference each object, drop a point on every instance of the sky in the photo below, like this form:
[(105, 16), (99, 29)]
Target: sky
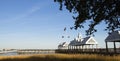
[(38, 24)]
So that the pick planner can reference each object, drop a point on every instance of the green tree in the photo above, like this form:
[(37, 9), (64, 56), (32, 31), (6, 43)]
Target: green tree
[(95, 12)]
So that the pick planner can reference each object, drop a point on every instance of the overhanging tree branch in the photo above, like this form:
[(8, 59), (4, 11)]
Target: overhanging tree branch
[(94, 10)]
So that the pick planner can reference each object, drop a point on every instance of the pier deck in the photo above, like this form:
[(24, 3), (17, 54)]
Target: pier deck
[(69, 51)]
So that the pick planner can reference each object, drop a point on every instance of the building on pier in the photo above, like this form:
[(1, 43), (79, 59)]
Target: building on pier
[(113, 37), (80, 43), (63, 45), (83, 43)]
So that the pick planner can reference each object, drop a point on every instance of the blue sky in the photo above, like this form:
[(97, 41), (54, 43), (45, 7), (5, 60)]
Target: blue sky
[(37, 24)]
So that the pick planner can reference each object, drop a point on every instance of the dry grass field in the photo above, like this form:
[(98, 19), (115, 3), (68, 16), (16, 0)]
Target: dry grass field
[(60, 57)]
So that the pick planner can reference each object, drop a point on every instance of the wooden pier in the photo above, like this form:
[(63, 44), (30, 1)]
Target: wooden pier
[(69, 51), (36, 51), (101, 51)]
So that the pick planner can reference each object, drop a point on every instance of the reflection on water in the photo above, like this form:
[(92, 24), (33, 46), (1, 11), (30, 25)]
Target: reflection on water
[(26, 51), (9, 54), (16, 53)]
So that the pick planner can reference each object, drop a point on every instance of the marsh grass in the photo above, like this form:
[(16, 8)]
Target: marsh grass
[(60, 57)]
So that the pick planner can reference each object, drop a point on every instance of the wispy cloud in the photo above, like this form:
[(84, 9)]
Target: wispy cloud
[(28, 12)]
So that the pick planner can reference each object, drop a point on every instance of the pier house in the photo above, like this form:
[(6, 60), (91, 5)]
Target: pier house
[(83, 43), (63, 45), (80, 43), (113, 37)]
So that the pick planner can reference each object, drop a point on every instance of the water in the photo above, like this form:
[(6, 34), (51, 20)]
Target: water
[(15, 53), (9, 54), (26, 52)]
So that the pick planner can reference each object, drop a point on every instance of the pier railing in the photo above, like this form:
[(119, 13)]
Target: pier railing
[(89, 51), (35, 51), (69, 51)]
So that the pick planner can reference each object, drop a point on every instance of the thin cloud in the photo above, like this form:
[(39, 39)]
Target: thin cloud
[(28, 12)]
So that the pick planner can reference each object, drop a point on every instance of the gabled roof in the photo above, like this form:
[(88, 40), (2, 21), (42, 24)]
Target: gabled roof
[(63, 44), (114, 36), (74, 42), (89, 40), (85, 41)]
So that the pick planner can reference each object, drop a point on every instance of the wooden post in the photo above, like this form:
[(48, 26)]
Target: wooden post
[(96, 46), (92, 46), (88, 46), (114, 47), (68, 47), (73, 47), (106, 46), (82, 48), (78, 47)]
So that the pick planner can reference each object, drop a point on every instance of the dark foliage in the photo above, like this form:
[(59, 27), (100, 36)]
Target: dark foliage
[(95, 12)]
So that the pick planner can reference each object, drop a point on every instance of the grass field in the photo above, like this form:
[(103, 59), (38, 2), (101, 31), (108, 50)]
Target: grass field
[(60, 57)]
